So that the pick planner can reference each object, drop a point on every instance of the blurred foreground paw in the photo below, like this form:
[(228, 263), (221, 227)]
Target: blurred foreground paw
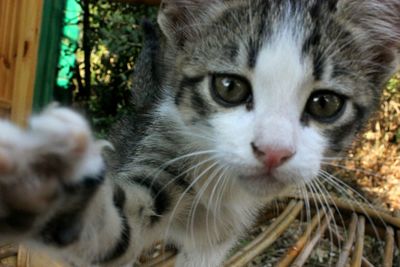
[(54, 164)]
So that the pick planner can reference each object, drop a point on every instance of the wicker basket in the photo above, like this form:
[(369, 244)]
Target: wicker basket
[(282, 218), (19, 256)]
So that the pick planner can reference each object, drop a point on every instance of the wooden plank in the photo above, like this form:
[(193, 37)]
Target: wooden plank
[(5, 104), (26, 58), (2, 21), (2, 33), (4, 44), (7, 8), (12, 48)]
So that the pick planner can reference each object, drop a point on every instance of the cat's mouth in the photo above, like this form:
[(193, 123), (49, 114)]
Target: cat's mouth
[(263, 183), (258, 174), (267, 178)]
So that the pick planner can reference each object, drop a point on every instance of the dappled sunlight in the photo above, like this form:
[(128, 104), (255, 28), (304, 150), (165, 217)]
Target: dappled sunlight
[(374, 161)]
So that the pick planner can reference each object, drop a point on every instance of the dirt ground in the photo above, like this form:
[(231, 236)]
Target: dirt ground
[(373, 164)]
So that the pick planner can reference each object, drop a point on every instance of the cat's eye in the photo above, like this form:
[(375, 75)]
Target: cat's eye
[(325, 106), (230, 90)]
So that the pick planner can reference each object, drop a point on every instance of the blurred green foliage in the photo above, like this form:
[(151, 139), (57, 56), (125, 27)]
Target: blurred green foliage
[(115, 41), (394, 84)]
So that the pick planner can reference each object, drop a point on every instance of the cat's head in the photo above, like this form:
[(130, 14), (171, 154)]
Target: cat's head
[(277, 87)]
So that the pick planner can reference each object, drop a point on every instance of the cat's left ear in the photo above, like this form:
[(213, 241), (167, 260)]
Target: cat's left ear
[(182, 19)]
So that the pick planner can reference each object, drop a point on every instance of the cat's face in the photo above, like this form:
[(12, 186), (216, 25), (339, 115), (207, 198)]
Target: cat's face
[(277, 87)]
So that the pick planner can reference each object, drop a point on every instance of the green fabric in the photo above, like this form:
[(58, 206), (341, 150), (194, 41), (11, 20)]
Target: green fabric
[(69, 44), (51, 31)]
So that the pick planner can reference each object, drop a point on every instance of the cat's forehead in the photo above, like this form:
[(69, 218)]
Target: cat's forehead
[(231, 38), (281, 73), (241, 29)]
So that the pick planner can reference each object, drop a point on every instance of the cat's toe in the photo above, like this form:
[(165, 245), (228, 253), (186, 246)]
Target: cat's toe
[(63, 126), (66, 133)]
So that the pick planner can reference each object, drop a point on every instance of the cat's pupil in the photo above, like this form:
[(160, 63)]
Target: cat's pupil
[(230, 90), (325, 106)]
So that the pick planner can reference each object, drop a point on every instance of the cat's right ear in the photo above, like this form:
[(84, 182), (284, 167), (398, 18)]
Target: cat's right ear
[(180, 20), (379, 19)]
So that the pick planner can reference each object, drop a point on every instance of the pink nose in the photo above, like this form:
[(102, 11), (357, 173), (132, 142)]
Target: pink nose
[(272, 157)]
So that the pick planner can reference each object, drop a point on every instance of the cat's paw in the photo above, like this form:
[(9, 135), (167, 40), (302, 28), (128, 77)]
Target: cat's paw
[(53, 165)]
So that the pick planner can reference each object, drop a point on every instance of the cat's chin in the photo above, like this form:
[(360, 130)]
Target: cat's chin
[(263, 185)]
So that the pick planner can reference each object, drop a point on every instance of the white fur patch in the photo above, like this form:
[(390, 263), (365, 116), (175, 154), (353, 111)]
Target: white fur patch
[(282, 82)]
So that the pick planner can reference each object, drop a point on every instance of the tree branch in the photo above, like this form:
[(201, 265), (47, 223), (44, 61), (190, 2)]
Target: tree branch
[(87, 48)]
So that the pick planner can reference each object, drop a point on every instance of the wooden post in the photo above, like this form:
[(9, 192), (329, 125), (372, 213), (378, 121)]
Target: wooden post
[(8, 38), (19, 39), (30, 14)]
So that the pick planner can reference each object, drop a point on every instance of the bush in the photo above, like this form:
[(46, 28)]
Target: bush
[(114, 41)]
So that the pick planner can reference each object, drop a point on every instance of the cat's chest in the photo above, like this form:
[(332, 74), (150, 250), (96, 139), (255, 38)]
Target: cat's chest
[(242, 208)]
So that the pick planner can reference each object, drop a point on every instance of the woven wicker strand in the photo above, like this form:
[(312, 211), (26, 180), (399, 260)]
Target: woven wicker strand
[(344, 256), (302, 258), (268, 237), (389, 247), (288, 210), (359, 247), (295, 250), (380, 217)]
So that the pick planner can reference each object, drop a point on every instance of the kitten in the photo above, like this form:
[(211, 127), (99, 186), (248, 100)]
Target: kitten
[(236, 102)]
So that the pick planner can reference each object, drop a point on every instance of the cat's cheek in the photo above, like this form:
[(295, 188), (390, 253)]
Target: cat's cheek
[(306, 164), (233, 139)]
